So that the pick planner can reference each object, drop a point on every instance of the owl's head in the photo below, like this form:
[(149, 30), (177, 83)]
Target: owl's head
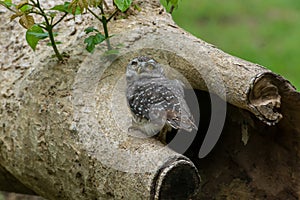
[(143, 67)]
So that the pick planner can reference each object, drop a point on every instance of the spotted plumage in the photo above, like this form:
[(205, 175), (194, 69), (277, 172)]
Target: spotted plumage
[(155, 100)]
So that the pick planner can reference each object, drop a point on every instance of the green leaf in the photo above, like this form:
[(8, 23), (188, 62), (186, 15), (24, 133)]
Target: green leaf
[(6, 3), (174, 3), (60, 7), (99, 38), (123, 5), (90, 29), (34, 35), (90, 46), (39, 36), (93, 40), (25, 8), (66, 8)]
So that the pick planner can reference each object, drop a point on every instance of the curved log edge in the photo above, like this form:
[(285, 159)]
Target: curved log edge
[(10, 184), (184, 174), (57, 117)]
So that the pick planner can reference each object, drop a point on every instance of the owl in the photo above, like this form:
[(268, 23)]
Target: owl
[(154, 100)]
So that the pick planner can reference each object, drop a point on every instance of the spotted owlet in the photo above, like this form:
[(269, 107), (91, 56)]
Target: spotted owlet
[(155, 100)]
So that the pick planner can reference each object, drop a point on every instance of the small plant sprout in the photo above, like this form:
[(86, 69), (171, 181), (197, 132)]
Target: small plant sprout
[(174, 4), (27, 10), (104, 17), (39, 28)]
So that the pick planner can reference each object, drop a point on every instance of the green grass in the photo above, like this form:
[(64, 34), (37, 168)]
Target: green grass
[(265, 32)]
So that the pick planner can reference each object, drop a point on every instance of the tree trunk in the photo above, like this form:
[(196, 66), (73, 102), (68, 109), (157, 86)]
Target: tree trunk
[(64, 127)]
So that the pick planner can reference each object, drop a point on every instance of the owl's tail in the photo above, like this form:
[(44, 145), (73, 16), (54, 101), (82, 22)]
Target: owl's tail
[(187, 123)]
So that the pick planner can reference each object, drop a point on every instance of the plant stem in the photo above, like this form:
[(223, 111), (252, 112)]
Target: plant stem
[(60, 19), (114, 13), (172, 9), (104, 23), (105, 4), (53, 44), (8, 7), (95, 15), (49, 29)]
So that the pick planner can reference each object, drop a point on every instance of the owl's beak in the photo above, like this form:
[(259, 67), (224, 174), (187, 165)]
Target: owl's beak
[(139, 70)]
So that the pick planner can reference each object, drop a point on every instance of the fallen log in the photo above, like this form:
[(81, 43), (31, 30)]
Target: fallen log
[(64, 127)]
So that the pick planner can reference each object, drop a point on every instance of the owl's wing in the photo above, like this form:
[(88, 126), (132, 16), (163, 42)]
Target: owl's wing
[(159, 102), (152, 97), (187, 120), (184, 119), (176, 86)]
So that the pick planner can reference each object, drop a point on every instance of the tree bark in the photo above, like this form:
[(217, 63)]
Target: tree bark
[(63, 127)]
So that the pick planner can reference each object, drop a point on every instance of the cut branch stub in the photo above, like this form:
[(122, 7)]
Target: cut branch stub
[(176, 180), (265, 97)]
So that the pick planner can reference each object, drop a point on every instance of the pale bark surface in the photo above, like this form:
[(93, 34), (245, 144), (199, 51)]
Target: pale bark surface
[(63, 127)]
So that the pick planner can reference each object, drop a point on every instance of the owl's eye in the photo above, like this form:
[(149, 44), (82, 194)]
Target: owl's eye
[(134, 63), (149, 67)]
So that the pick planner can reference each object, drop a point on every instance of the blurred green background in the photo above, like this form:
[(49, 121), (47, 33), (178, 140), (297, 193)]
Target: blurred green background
[(266, 32)]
